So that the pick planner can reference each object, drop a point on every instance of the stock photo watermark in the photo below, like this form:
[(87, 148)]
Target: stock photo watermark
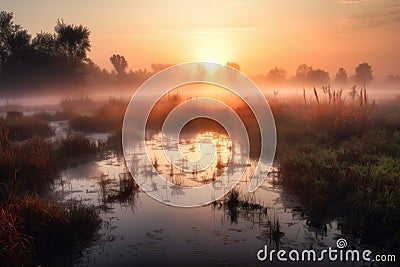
[(338, 254)]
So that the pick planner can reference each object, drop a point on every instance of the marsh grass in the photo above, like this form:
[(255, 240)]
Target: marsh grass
[(77, 145), (25, 166), (344, 159), (33, 230), (107, 118), (238, 205)]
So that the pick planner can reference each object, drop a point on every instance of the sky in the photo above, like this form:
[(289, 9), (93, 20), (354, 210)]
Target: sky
[(258, 34)]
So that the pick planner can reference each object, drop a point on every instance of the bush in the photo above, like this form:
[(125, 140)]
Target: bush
[(23, 128)]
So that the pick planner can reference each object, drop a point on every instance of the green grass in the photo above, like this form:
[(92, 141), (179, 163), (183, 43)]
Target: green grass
[(345, 160)]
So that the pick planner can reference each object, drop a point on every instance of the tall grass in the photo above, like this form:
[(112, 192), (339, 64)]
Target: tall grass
[(33, 230), (108, 118), (76, 145), (25, 166), (345, 159), (22, 128)]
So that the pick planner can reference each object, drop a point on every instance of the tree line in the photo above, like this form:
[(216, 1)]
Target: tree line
[(305, 74), (60, 59)]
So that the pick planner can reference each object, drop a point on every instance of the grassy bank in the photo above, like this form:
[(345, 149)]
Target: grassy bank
[(34, 230), (345, 160)]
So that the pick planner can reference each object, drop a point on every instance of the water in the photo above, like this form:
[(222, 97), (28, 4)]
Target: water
[(137, 229)]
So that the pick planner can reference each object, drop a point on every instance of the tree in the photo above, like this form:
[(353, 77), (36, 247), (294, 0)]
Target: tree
[(233, 65), (119, 63), (341, 76), (14, 43), (318, 77), (73, 40), (302, 72), (393, 78), (363, 73), (276, 75), (45, 43), (307, 74), (73, 44)]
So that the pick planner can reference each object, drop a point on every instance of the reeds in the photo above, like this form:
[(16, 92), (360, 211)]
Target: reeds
[(22, 128), (344, 157)]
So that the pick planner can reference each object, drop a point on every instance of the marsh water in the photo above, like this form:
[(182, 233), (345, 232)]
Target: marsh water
[(137, 229)]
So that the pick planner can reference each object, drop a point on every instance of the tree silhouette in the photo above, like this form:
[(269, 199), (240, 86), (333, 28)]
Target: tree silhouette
[(73, 40), (307, 74), (276, 75), (159, 67), (73, 44), (341, 76), (119, 63), (319, 77), (302, 72), (363, 73), (14, 44)]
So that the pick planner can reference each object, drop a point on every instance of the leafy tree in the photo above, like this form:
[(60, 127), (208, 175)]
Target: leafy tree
[(119, 63), (341, 76), (307, 74), (363, 73), (14, 43), (73, 44), (45, 43), (73, 40), (318, 76), (302, 72)]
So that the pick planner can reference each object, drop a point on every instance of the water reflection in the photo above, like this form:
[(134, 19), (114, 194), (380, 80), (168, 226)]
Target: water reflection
[(137, 229)]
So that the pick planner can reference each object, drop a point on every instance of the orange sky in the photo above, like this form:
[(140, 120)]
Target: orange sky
[(258, 34)]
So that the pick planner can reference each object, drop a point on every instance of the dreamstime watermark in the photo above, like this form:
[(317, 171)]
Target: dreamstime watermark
[(160, 85), (340, 253)]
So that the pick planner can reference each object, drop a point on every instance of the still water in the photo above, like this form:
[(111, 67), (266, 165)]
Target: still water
[(138, 230)]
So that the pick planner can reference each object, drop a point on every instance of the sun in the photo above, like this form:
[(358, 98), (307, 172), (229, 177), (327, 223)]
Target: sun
[(214, 51)]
